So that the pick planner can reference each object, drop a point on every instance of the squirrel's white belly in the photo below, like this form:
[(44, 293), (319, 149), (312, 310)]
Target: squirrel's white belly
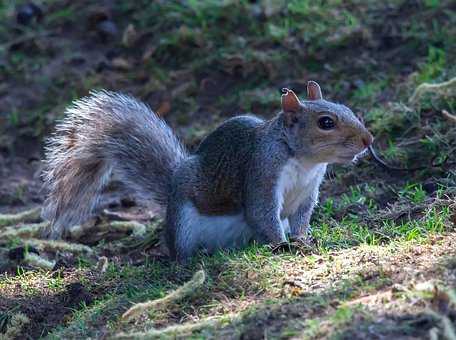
[(210, 232), (297, 182)]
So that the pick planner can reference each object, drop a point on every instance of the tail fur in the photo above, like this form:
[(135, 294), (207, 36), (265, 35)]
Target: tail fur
[(103, 133)]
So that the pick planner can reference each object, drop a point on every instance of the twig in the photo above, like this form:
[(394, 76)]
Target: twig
[(449, 116), (178, 331), (137, 228), (433, 88), (37, 261), (25, 231), (53, 246), (188, 288), (25, 216)]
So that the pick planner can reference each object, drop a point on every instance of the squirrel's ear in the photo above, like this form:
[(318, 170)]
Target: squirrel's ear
[(290, 102), (313, 90)]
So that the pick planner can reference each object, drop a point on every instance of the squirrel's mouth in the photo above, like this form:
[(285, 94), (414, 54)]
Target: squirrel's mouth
[(352, 156), (345, 159)]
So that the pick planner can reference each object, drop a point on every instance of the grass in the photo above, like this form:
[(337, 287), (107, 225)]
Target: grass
[(246, 283), (358, 227), (361, 283)]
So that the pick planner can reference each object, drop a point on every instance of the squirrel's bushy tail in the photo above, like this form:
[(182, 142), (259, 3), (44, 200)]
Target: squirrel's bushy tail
[(103, 133)]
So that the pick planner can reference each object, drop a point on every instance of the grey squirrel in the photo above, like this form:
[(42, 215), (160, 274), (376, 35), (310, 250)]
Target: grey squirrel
[(250, 179)]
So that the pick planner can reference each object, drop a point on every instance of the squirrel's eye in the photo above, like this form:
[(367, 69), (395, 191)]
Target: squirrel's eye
[(326, 123)]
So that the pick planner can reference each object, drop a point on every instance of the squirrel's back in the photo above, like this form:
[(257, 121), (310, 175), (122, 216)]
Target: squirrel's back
[(217, 182), (232, 135)]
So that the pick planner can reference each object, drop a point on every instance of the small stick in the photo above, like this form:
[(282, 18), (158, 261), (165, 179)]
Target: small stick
[(38, 262), (25, 231), (433, 88), (25, 216), (449, 116), (188, 288), (177, 331), (53, 246), (137, 228)]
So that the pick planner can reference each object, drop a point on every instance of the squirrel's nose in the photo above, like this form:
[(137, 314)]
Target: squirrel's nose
[(367, 139)]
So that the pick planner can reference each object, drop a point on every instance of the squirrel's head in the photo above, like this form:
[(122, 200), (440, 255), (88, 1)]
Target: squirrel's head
[(321, 130)]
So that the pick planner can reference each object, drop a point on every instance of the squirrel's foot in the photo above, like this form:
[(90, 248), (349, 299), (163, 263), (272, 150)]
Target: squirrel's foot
[(306, 240), (298, 245)]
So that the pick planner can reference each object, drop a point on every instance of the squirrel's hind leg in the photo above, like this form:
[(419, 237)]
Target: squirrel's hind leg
[(182, 236), (190, 231)]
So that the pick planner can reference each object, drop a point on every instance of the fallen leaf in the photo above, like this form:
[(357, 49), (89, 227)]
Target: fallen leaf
[(150, 50), (129, 36), (163, 109), (121, 64)]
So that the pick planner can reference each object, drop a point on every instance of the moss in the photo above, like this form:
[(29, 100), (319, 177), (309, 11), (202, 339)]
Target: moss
[(15, 326)]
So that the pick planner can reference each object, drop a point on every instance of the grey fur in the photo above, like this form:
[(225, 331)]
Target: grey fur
[(300, 220), (102, 133), (225, 194)]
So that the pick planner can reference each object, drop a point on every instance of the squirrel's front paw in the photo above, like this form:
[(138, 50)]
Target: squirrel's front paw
[(305, 240), (279, 247), (297, 245)]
